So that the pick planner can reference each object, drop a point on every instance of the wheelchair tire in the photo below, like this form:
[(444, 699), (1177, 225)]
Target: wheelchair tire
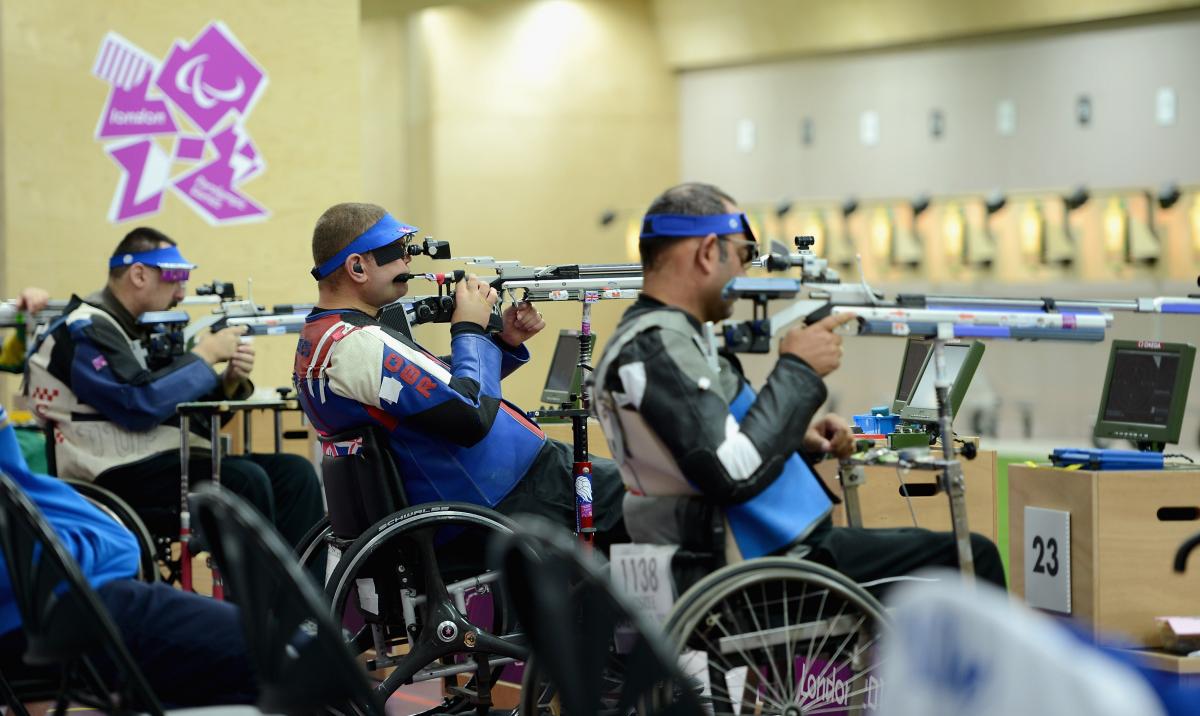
[(780, 636), (539, 697), (312, 545), (400, 535), (123, 514)]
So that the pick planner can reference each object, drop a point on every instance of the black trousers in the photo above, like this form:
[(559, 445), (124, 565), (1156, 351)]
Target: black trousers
[(191, 648), (283, 487), (865, 554), (548, 490)]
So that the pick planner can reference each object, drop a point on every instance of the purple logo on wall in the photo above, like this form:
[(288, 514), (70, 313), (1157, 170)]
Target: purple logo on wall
[(190, 108)]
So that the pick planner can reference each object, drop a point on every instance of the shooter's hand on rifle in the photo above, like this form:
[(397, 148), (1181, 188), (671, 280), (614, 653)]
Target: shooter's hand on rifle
[(220, 346), (32, 299), (521, 322), (817, 345), (238, 369), (473, 301)]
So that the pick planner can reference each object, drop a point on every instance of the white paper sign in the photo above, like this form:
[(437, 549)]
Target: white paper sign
[(642, 572), (332, 557), (1048, 559), (368, 598), (694, 665)]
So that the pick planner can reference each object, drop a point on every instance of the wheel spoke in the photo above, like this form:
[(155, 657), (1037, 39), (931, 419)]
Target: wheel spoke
[(855, 677), (820, 610), (840, 639), (715, 651), (766, 647), (788, 653)]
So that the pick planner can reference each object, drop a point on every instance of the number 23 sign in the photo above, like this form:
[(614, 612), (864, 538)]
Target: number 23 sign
[(1048, 559)]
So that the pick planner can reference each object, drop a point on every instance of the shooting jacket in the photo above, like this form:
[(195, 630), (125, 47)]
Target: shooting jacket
[(681, 421), (88, 379), (452, 433)]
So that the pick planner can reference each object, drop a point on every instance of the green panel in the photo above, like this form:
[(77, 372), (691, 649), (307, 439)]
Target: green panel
[(1002, 463), (33, 447)]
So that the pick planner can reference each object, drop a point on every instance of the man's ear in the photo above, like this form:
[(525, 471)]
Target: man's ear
[(137, 275), (707, 255), (354, 267)]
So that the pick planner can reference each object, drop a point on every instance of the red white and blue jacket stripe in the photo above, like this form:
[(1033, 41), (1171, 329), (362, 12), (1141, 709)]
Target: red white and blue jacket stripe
[(453, 435)]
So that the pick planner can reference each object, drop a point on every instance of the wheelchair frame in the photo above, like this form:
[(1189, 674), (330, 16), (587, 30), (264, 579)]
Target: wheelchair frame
[(435, 617)]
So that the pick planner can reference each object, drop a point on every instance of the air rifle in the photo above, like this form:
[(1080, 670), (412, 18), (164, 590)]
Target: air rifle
[(561, 282), (818, 294)]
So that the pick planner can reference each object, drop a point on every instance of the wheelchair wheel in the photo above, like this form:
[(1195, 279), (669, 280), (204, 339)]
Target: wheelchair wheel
[(313, 550), (780, 636), (123, 514), (429, 607), (540, 698), (537, 694)]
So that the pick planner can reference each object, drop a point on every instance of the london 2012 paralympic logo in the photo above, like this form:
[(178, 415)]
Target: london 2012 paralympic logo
[(191, 109)]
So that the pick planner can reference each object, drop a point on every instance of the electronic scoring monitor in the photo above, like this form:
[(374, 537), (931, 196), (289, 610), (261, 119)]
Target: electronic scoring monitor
[(961, 361), (916, 350), (1145, 392), (563, 379)]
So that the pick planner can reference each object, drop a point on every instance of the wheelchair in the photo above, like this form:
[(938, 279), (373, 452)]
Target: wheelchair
[(409, 581), (557, 588), (124, 515), (297, 652), (66, 626), (156, 530), (45, 685), (772, 635)]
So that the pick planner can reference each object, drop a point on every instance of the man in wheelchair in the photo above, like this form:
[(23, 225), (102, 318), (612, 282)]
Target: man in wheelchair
[(95, 379), (452, 434), (683, 423)]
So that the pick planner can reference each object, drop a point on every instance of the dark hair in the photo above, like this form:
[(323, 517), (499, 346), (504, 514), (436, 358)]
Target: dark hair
[(143, 238), (691, 199), (338, 226)]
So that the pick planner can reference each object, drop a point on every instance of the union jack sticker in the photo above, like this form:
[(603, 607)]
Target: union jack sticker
[(343, 448)]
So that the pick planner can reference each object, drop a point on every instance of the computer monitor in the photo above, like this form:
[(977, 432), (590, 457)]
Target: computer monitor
[(916, 350), (961, 361), (563, 379), (1145, 392)]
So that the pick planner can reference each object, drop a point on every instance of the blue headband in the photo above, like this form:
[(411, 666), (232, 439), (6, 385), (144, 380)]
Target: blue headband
[(167, 257), (385, 231), (680, 225)]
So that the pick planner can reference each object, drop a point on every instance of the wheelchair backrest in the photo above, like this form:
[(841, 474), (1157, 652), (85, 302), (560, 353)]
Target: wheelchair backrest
[(362, 483), (65, 623), (557, 589), (298, 654)]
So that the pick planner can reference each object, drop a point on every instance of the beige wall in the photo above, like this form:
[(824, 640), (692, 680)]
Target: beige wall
[(507, 128), (1120, 66), (58, 182), (519, 124), (710, 33)]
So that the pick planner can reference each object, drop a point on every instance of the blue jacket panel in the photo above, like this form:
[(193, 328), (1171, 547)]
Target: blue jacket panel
[(780, 514)]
